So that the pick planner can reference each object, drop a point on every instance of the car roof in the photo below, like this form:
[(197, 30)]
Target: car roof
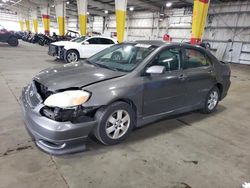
[(160, 43), (151, 42), (101, 37)]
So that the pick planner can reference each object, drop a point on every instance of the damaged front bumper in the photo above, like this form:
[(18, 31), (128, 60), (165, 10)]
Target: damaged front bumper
[(56, 51), (52, 136)]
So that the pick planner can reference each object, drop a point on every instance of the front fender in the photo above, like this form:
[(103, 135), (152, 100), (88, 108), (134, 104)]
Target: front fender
[(107, 92)]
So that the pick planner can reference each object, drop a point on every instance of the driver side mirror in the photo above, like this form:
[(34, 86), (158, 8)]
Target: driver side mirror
[(86, 43), (156, 69)]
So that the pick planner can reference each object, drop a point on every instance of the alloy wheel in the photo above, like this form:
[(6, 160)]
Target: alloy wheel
[(72, 57), (117, 124), (212, 100)]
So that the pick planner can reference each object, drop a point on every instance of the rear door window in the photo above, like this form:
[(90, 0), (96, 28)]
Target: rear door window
[(106, 41), (94, 41), (194, 58)]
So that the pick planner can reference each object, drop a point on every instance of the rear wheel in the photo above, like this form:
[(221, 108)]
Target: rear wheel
[(72, 56), (13, 41), (211, 101), (115, 122)]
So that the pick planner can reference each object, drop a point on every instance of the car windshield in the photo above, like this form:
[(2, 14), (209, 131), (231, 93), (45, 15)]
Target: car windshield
[(122, 57), (78, 39)]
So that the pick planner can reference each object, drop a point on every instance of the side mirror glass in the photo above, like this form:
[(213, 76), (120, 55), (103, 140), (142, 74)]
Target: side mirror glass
[(156, 69)]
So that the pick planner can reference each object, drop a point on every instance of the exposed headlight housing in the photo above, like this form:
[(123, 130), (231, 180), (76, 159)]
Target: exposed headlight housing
[(67, 99)]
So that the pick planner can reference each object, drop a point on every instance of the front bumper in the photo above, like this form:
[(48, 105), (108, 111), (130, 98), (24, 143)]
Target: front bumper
[(51, 136), (56, 51)]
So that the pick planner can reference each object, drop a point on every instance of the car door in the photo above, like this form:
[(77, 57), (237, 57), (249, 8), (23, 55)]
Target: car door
[(199, 73), (94, 45), (165, 92), (90, 47)]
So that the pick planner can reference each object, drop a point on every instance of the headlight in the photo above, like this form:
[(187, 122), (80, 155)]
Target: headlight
[(67, 99)]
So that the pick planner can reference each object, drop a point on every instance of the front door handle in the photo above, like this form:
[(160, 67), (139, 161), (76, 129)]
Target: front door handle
[(182, 77)]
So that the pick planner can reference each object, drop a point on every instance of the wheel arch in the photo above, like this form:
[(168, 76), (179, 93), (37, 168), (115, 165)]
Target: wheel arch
[(128, 101), (71, 49), (220, 87), (74, 49)]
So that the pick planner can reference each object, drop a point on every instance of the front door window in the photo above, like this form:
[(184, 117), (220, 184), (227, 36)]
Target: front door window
[(169, 58)]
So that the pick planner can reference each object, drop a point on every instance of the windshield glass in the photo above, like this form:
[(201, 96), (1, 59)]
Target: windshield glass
[(79, 39), (122, 57)]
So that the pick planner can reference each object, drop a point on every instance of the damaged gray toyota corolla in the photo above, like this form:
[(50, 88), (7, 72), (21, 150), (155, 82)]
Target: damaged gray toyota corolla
[(125, 86)]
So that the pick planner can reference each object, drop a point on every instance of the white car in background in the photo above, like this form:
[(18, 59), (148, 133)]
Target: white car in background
[(90, 46), (73, 51), (55, 48)]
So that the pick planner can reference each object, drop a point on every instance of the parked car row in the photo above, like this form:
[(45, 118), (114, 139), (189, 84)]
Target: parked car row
[(79, 48), (43, 39)]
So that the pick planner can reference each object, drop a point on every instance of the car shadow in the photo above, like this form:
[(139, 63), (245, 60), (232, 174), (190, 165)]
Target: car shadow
[(56, 61), (6, 45), (163, 126)]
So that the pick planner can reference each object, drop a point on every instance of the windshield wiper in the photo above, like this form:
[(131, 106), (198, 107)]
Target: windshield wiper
[(104, 66)]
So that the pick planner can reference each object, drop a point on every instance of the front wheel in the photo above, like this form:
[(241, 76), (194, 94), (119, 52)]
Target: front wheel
[(72, 56), (211, 101), (115, 122)]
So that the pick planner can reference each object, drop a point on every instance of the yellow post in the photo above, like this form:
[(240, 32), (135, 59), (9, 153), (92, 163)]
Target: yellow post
[(83, 24), (34, 20), (200, 12), (46, 24), (61, 25), (46, 19), (27, 23), (82, 6), (120, 11), (60, 14), (35, 24)]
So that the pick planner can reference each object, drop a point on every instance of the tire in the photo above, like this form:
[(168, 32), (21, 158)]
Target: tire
[(13, 41), (212, 100), (72, 56), (110, 129), (41, 43)]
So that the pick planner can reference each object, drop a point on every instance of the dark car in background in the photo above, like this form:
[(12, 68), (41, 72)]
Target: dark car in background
[(8, 37), (122, 87)]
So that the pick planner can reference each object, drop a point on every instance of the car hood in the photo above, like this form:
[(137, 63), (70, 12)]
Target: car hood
[(74, 75), (62, 43), (72, 45)]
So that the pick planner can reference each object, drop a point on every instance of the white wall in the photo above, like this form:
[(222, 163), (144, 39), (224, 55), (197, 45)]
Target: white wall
[(225, 21)]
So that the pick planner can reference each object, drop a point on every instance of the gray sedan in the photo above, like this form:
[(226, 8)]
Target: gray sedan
[(122, 87)]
